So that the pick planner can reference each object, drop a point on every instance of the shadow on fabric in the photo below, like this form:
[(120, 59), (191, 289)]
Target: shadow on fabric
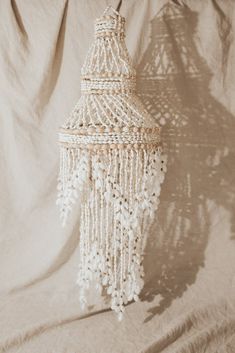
[(173, 83)]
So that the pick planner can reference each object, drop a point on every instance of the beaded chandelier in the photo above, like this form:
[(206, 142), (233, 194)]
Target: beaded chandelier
[(111, 163)]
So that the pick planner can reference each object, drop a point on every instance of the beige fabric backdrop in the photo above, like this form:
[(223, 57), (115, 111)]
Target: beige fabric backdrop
[(184, 53)]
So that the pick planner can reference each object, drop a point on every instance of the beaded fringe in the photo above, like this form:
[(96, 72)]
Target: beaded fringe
[(119, 191)]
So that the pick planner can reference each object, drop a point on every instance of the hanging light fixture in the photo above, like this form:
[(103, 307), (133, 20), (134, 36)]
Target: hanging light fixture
[(111, 163)]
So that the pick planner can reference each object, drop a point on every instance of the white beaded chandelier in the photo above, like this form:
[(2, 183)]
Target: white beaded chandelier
[(111, 163)]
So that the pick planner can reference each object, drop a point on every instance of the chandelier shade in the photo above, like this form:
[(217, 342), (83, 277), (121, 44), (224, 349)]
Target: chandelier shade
[(111, 163)]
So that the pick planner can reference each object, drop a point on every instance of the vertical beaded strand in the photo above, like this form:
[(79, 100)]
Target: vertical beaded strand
[(92, 206), (109, 220), (101, 194), (97, 245), (115, 219), (121, 225), (145, 219), (131, 197), (87, 240)]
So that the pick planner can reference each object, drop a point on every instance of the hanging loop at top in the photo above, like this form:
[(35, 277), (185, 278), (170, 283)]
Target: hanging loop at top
[(119, 6)]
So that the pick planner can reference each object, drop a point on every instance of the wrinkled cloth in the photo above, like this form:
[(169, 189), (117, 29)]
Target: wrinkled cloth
[(184, 55)]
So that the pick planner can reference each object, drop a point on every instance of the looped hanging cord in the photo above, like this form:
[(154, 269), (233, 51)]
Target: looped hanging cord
[(119, 6)]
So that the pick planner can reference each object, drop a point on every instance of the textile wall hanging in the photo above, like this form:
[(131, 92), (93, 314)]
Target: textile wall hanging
[(111, 163)]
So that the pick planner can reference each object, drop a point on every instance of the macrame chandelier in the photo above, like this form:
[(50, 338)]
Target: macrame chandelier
[(111, 163)]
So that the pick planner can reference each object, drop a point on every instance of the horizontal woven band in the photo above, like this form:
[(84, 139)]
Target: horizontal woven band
[(108, 84), (105, 34), (104, 147), (146, 136), (87, 130), (107, 24)]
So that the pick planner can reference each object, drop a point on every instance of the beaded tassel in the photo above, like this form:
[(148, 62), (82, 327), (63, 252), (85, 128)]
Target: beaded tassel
[(111, 161)]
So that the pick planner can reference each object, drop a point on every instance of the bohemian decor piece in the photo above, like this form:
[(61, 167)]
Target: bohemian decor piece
[(111, 163)]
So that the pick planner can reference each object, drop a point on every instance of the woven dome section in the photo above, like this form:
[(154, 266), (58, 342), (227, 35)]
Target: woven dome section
[(108, 84), (109, 111), (108, 54)]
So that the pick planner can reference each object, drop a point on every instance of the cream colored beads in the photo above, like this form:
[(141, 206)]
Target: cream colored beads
[(111, 163)]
